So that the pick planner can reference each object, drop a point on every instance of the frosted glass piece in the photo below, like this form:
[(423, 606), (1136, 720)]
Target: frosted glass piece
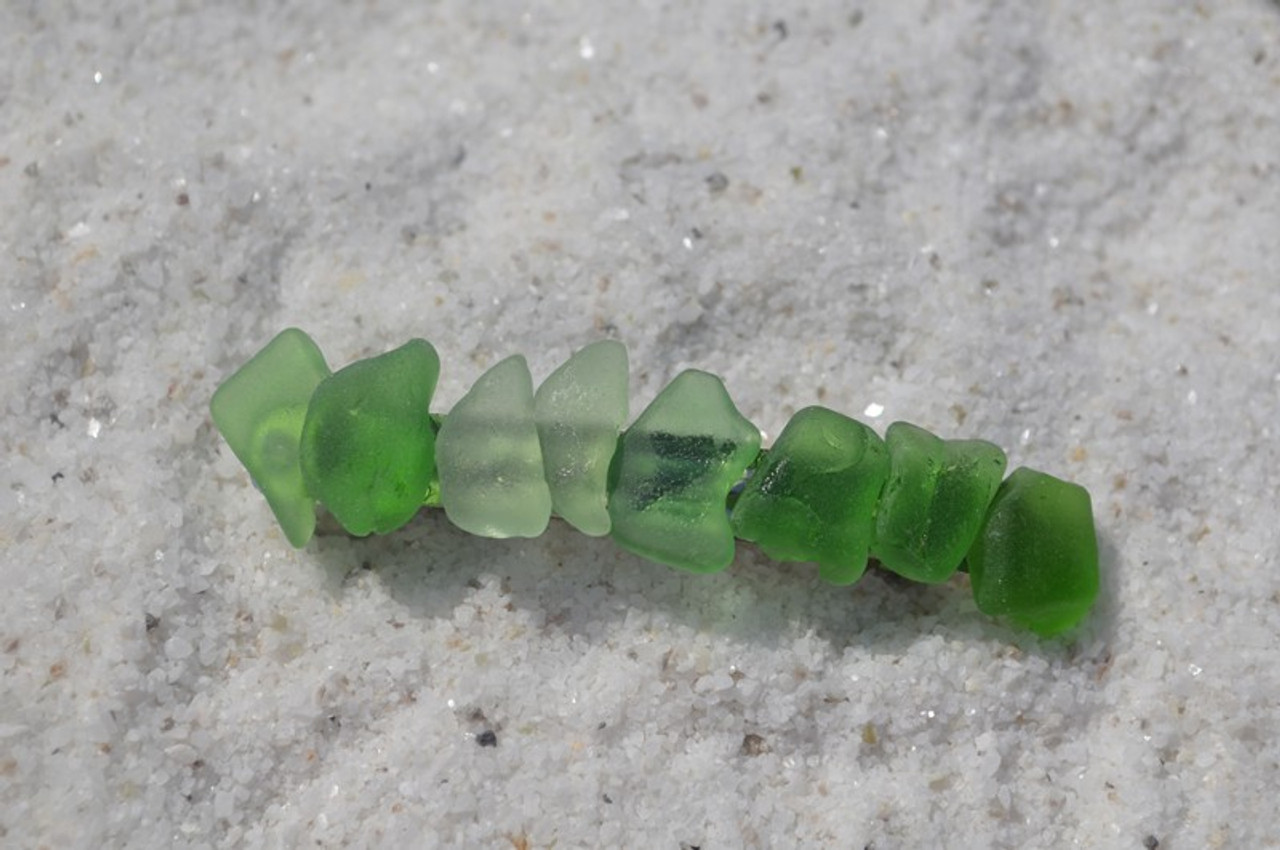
[(579, 410), (934, 501), (489, 458), (813, 497), (673, 472), (1036, 558), (368, 448), (260, 410)]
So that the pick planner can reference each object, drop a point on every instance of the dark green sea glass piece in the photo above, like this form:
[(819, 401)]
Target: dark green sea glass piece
[(1036, 558), (260, 410), (933, 504), (368, 448), (814, 496), (673, 471)]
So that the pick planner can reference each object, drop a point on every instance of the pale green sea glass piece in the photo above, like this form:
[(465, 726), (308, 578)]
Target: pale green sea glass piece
[(934, 501), (673, 471), (368, 448), (579, 410), (489, 458), (260, 410)]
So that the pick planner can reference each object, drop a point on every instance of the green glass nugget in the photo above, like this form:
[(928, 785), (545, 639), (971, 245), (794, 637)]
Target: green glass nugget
[(260, 410), (814, 496), (673, 471), (490, 461), (368, 447), (579, 410), (1036, 558), (933, 502)]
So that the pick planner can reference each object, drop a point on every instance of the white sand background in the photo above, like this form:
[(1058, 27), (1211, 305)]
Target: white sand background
[(1051, 225)]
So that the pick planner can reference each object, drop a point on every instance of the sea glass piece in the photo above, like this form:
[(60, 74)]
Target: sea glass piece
[(813, 498), (490, 461), (934, 501), (579, 410), (259, 411), (673, 471), (368, 447), (1036, 558)]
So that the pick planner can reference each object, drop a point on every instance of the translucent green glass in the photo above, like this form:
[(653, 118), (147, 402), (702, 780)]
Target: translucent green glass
[(368, 448), (579, 410), (814, 496), (934, 501), (1036, 558), (260, 410), (673, 471), (489, 458)]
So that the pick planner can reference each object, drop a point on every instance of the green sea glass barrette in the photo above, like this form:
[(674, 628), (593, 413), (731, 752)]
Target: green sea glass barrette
[(677, 487)]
